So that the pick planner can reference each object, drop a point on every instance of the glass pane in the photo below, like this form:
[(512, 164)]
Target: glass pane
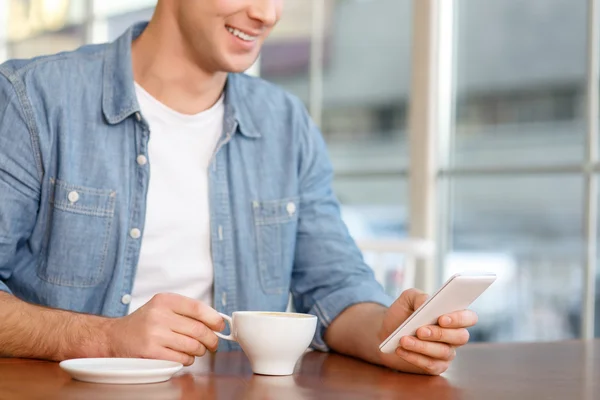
[(528, 230), (103, 8), (375, 207), (597, 282), (285, 56), (366, 63), (520, 82), (30, 18), (68, 38), (117, 24), (3, 21), (366, 75)]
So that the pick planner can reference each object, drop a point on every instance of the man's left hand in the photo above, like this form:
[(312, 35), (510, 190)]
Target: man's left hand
[(434, 347)]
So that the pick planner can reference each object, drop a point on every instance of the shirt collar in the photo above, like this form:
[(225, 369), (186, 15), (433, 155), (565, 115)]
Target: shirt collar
[(119, 100)]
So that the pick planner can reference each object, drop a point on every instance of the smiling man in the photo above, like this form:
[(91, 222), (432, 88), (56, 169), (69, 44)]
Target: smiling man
[(148, 183)]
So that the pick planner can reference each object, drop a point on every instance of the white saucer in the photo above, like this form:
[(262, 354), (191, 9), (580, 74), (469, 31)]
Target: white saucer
[(120, 370)]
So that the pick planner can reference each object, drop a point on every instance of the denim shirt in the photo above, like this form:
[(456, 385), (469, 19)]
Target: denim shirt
[(73, 197)]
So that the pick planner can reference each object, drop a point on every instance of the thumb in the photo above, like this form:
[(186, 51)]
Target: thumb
[(402, 308)]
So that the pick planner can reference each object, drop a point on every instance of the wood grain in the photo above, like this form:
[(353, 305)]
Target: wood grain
[(563, 370)]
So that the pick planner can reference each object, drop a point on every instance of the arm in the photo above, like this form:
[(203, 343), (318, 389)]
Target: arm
[(360, 329), (27, 330), (30, 331), (168, 327), (331, 280), (329, 273)]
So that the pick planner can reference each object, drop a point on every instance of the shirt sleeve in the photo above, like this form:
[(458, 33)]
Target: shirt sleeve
[(19, 182), (329, 273)]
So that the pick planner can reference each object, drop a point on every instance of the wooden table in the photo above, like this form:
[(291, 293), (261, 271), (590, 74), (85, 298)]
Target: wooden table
[(565, 370)]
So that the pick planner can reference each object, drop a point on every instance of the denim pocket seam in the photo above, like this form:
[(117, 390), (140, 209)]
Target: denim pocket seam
[(106, 213), (271, 222)]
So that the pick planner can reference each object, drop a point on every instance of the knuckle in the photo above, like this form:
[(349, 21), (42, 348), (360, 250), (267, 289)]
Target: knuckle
[(449, 353), (464, 337), (200, 350), (430, 366), (442, 367), (158, 298), (410, 293), (185, 359), (187, 345), (437, 333), (420, 346), (199, 330), (213, 341)]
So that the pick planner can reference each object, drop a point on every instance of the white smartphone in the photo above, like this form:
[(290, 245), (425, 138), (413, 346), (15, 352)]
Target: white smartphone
[(456, 294)]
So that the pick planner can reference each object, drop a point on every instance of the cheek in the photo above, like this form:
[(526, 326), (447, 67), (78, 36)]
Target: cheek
[(224, 8)]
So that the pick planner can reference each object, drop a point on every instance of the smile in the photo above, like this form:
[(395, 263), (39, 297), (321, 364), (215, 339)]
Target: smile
[(242, 35)]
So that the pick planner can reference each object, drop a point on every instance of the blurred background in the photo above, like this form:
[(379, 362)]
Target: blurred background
[(512, 182)]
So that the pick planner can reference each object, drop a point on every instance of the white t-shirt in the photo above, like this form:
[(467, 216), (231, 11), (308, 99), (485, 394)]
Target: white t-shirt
[(175, 254)]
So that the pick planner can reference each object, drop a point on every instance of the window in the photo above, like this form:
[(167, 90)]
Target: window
[(362, 86), (515, 185), (43, 27), (349, 62)]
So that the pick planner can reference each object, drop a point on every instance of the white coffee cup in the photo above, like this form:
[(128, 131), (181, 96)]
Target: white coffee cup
[(272, 341)]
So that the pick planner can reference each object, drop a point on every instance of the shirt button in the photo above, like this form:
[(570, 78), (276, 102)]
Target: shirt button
[(138, 116), (141, 159), (126, 299), (73, 196), (224, 299), (291, 208), (135, 233)]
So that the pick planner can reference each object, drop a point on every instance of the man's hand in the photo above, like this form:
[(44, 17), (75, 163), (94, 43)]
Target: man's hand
[(434, 347), (168, 327)]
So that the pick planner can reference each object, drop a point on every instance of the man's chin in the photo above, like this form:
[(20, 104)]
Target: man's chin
[(238, 66)]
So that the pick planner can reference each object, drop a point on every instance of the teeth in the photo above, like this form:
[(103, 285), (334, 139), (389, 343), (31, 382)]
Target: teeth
[(241, 35)]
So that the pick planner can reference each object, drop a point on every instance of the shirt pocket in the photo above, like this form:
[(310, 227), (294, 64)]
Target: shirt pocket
[(276, 225), (77, 235)]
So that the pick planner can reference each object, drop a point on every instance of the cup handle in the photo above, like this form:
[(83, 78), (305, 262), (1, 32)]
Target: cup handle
[(227, 318)]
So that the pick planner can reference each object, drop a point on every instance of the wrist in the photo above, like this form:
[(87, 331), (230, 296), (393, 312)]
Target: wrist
[(356, 332), (84, 336)]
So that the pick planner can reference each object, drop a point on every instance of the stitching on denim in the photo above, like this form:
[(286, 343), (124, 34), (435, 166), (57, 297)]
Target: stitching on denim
[(279, 206), (91, 281), (77, 209), (28, 115), (67, 186)]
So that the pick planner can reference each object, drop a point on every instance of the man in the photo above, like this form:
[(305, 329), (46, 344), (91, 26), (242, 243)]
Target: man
[(158, 136)]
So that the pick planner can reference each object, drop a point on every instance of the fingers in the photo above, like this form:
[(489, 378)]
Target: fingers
[(458, 319), (434, 350), (195, 330), (404, 306), (413, 298), (185, 344), (427, 364), (191, 308), (172, 355), (434, 333)]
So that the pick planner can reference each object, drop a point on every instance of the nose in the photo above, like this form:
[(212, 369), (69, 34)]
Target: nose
[(265, 11)]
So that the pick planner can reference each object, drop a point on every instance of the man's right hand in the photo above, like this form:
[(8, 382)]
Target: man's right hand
[(168, 327)]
